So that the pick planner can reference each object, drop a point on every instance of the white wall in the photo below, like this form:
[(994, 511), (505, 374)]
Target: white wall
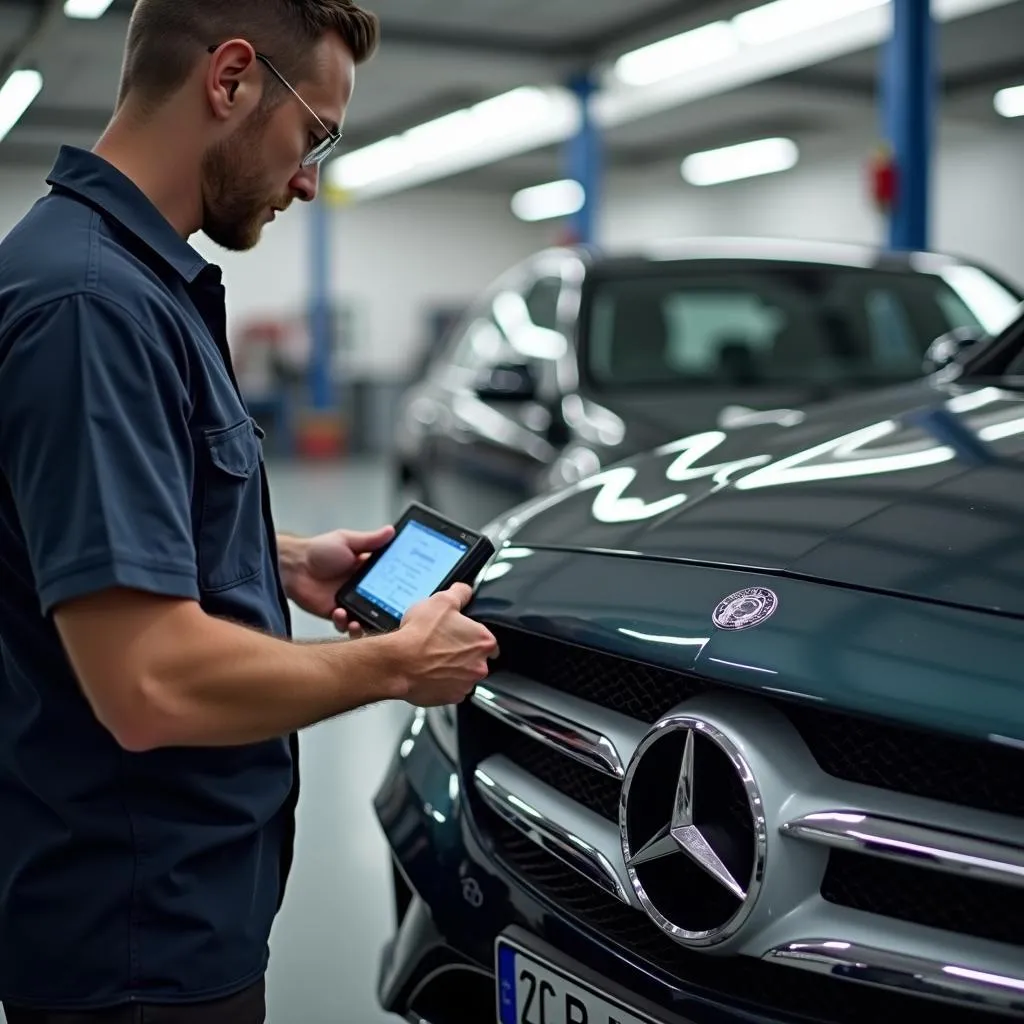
[(395, 258), (977, 207)]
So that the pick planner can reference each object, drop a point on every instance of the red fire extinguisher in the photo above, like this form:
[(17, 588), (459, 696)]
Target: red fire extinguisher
[(882, 173)]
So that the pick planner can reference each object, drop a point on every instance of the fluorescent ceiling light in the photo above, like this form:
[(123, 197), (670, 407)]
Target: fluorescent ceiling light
[(365, 166), (781, 18), (679, 54), (1010, 102), (757, 45), (543, 202), (721, 40), (747, 160), (511, 123), (16, 96), (86, 8)]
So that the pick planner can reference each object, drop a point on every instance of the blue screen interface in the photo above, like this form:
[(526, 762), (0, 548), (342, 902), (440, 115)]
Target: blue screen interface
[(412, 568)]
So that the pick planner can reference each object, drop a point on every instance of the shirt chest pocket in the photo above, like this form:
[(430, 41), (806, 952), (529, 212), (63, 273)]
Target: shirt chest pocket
[(230, 538)]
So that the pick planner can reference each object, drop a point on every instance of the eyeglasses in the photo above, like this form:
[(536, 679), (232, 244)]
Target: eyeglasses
[(322, 149)]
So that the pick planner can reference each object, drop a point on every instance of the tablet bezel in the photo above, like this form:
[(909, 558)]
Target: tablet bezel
[(478, 550)]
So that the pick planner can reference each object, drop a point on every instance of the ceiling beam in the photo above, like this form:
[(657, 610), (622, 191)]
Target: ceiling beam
[(500, 44), (63, 119), (46, 16), (580, 50), (991, 75), (32, 155), (843, 84)]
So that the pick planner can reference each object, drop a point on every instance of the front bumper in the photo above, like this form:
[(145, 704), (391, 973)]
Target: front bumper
[(453, 899)]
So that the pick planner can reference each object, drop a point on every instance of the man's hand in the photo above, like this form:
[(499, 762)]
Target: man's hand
[(314, 568), (448, 652)]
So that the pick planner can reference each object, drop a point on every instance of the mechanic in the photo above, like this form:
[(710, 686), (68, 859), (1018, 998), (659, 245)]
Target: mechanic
[(150, 693)]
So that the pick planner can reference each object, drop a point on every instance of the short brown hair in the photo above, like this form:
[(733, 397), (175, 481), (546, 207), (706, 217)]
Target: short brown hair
[(167, 37)]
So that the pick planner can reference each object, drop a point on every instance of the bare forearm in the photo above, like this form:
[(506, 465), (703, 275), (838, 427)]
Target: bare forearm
[(234, 686), (160, 672)]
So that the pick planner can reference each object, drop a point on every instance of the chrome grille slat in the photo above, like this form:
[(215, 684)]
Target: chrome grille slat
[(910, 843), (600, 739), (583, 840), (891, 969)]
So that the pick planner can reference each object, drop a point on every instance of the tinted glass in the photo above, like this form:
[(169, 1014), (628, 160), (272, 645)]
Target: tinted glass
[(682, 324)]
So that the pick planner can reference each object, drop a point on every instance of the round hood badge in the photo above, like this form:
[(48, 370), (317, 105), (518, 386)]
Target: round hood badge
[(746, 608)]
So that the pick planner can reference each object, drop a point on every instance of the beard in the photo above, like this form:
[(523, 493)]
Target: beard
[(235, 194)]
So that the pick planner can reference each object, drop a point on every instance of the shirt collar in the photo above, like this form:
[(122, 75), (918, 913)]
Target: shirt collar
[(100, 183)]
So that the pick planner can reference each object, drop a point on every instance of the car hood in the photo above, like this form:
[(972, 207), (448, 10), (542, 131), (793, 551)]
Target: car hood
[(651, 418), (917, 490)]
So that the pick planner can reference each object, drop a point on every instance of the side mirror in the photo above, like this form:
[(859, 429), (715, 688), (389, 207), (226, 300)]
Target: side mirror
[(507, 382), (945, 349)]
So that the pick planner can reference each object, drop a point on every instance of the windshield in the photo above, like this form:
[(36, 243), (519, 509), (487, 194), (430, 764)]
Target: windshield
[(738, 324)]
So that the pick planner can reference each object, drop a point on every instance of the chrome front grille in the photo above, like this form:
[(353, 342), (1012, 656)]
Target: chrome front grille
[(909, 895), (913, 761)]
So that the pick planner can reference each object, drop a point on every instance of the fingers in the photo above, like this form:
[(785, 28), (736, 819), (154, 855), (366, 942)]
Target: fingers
[(463, 594), (343, 625), (360, 541)]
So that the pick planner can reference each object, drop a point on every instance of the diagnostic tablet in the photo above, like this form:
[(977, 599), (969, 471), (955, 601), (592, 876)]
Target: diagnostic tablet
[(428, 553)]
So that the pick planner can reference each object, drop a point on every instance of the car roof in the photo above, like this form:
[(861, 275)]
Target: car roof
[(841, 254)]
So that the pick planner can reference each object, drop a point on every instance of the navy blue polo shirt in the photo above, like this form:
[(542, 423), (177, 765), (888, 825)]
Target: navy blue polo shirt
[(127, 458)]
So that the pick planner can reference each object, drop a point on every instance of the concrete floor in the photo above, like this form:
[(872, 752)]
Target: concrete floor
[(337, 912)]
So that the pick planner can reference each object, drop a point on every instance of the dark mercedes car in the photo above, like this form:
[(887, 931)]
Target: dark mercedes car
[(579, 358), (754, 747)]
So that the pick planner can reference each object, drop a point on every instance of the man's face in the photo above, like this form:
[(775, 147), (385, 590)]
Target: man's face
[(256, 172)]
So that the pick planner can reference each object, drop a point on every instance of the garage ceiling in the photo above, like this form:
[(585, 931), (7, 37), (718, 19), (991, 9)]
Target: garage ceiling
[(438, 57)]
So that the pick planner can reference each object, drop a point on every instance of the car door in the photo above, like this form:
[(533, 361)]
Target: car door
[(499, 427)]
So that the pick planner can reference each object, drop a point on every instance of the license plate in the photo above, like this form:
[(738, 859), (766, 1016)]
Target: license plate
[(536, 991)]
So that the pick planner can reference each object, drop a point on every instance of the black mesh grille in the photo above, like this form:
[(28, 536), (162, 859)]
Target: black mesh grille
[(763, 986), (931, 898), (629, 687), (846, 746)]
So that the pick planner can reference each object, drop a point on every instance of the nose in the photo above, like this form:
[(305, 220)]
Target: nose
[(306, 183)]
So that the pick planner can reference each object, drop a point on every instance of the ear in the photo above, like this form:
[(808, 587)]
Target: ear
[(233, 81)]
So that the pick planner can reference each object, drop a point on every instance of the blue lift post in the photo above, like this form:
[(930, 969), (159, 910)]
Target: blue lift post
[(583, 160), (908, 109), (320, 389)]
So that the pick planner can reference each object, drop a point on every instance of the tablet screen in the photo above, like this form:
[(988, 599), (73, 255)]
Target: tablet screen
[(413, 567)]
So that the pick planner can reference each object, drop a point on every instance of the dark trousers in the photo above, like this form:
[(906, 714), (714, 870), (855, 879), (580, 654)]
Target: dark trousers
[(247, 1007)]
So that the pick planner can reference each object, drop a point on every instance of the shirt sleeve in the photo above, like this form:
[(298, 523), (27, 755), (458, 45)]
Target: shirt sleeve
[(95, 446)]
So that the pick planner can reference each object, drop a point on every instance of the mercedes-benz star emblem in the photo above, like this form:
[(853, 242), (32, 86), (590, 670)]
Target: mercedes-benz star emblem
[(745, 608), (693, 835)]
